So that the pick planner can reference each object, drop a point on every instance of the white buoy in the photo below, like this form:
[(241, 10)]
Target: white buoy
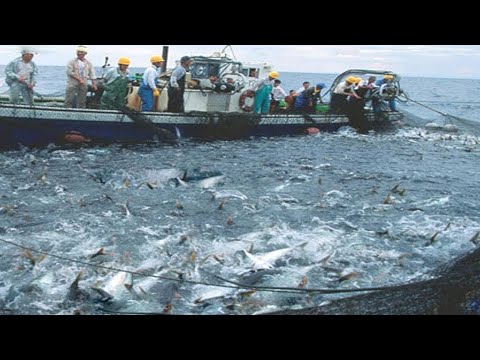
[(433, 126)]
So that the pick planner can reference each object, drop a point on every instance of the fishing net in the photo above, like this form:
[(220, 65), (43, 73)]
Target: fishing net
[(454, 289), (464, 125), (143, 121)]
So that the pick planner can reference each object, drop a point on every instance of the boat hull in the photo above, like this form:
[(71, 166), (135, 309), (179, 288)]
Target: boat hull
[(40, 126)]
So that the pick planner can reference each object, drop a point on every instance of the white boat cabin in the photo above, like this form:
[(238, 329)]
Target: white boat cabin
[(214, 83)]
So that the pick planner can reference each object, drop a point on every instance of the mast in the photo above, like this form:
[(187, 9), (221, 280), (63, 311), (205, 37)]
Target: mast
[(165, 57)]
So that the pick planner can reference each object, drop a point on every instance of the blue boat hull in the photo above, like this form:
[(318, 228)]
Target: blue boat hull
[(40, 126)]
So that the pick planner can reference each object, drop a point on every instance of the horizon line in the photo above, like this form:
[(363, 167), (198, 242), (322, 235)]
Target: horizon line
[(334, 73)]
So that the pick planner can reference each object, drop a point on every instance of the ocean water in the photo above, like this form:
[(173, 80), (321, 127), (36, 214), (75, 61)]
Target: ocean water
[(329, 211)]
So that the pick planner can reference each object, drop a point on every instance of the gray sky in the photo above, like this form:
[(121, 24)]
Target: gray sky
[(458, 61)]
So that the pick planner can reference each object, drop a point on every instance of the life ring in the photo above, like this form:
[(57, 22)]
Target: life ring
[(242, 102)]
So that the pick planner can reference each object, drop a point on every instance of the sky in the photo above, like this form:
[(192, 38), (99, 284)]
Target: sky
[(446, 61)]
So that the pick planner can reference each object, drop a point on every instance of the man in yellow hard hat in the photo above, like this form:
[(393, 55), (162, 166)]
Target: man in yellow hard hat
[(116, 82), (263, 88), (338, 100), (79, 71), (387, 80), (148, 88), (176, 86)]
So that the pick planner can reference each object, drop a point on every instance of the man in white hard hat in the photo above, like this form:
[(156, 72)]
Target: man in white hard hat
[(21, 76), (79, 71)]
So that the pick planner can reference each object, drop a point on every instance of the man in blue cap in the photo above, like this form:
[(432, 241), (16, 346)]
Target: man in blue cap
[(306, 102), (317, 94)]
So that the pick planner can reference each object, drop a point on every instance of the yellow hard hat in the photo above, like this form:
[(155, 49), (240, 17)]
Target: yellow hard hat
[(358, 80), (274, 75), (82, 48), (124, 61), (352, 79), (388, 77), (156, 58)]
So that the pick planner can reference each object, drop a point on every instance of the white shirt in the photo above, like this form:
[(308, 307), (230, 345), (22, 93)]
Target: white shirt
[(150, 77), (25, 70), (343, 87), (278, 93), (364, 82), (299, 91), (260, 84), (81, 69)]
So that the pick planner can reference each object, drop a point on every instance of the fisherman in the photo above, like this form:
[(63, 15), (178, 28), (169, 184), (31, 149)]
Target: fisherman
[(304, 102), (116, 82), (263, 88), (176, 86), (305, 86), (278, 95), (340, 94), (21, 77), (317, 93), (387, 79), (370, 83), (290, 100), (366, 88), (148, 89), (79, 71)]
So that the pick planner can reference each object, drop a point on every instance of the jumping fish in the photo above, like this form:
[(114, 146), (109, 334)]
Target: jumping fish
[(268, 260), (476, 238), (126, 209), (98, 253), (74, 292)]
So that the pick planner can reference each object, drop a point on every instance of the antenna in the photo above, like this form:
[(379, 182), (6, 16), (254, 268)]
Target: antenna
[(105, 66), (231, 49)]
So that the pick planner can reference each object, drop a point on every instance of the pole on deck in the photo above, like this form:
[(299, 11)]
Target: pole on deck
[(165, 57)]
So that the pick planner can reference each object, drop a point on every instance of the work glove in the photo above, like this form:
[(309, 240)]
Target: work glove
[(156, 92)]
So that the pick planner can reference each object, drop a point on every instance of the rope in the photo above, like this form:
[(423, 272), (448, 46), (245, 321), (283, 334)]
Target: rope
[(235, 285), (425, 106), (432, 109), (450, 102), (108, 267), (130, 313), (298, 290)]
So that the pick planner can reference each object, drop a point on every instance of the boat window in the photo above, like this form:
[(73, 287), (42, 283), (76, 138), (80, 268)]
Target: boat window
[(204, 71)]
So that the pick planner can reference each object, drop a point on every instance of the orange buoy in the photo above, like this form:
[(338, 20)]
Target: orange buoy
[(74, 137), (312, 131)]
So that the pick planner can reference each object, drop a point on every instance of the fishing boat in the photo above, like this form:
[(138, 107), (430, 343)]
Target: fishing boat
[(213, 110)]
